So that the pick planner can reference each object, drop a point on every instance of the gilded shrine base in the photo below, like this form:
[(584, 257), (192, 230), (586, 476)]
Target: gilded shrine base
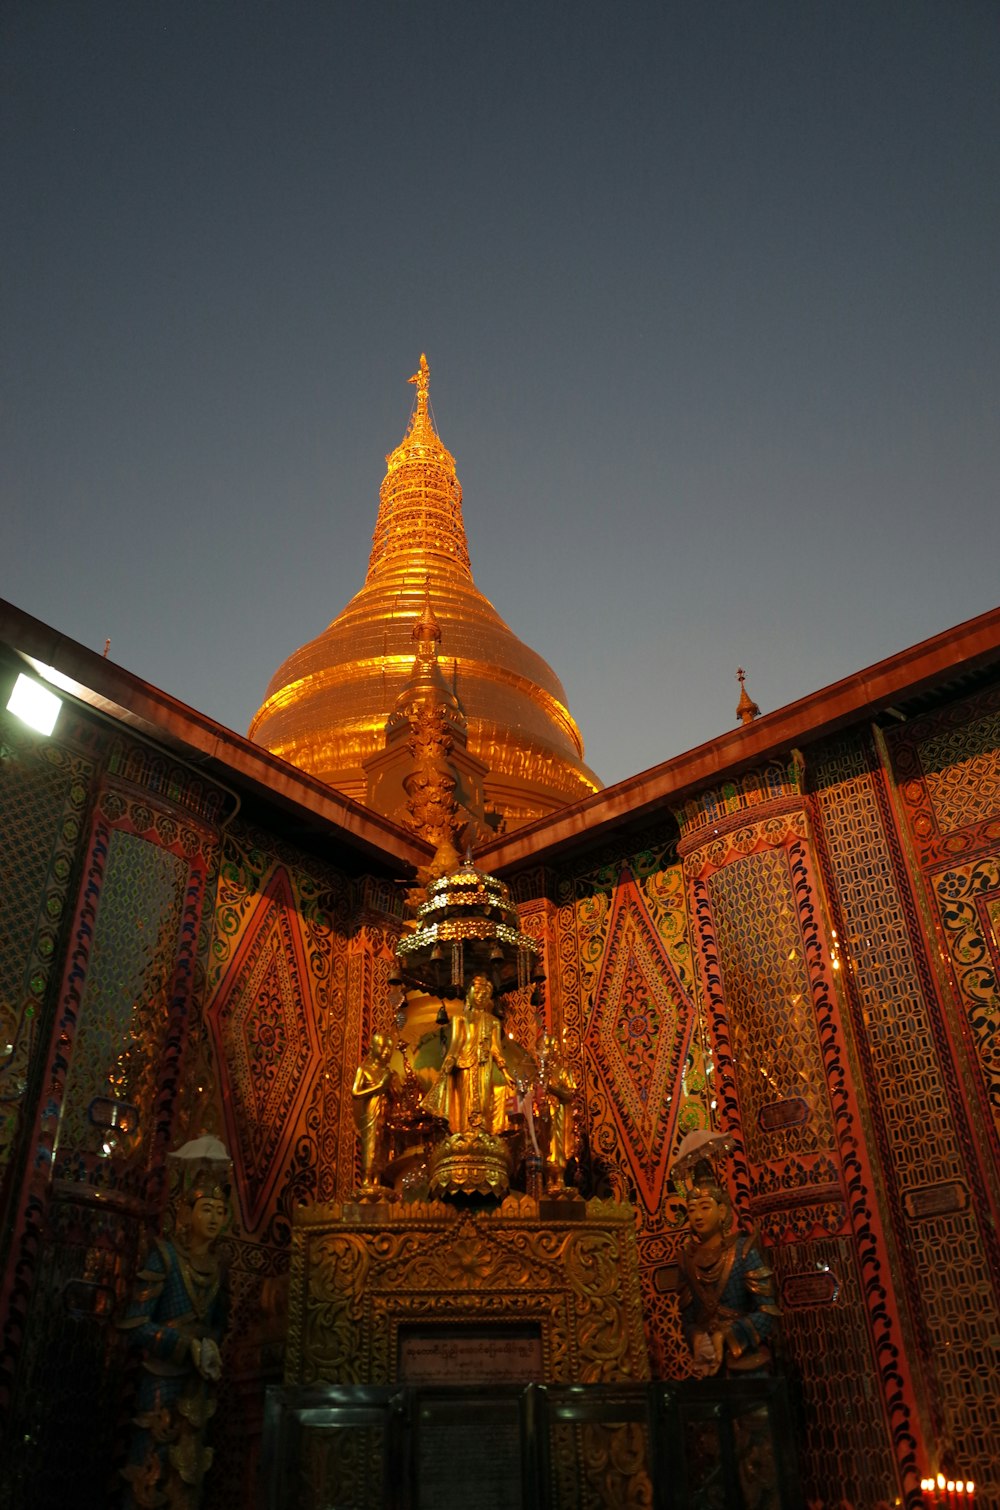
[(365, 1280), (470, 1163)]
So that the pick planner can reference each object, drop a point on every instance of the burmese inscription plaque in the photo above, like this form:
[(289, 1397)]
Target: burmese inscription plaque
[(475, 1354)]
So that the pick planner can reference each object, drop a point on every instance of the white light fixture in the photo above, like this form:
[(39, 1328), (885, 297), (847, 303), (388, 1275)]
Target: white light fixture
[(34, 704)]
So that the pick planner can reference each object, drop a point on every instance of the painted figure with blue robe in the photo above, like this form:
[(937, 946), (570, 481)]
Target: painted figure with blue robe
[(177, 1319), (728, 1308)]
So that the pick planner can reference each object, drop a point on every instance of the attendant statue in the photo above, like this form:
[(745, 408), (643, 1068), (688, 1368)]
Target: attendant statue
[(560, 1087), (371, 1094), (177, 1319), (728, 1308), (470, 1093)]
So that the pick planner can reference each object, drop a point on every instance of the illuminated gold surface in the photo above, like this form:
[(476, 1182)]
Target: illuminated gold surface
[(470, 1163), (326, 707), (357, 1277)]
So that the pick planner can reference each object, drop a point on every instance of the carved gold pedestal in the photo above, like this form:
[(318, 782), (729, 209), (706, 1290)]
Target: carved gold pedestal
[(367, 1280), (470, 1163)]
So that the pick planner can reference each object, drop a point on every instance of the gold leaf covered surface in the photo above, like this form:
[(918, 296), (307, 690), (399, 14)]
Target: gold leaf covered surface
[(356, 1279), (326, 706)]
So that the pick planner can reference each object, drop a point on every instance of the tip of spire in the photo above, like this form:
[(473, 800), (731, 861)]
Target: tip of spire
[(420, 501), (746, 709), (421, 379)]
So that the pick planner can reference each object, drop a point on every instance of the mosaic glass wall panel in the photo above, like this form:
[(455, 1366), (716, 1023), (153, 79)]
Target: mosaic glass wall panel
[(298, 973), (769, 1001), (947, 774), (65, 1427), (968, 898), (845, 1455), (263, 1018), (962, 772), (770, 960), (114, 1047), (126, 1000), (918, 1132), (271, 984), (43, 796)]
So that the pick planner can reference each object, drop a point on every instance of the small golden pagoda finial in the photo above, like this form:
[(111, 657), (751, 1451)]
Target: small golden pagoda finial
[(426, 629), (422, 381), (746, 709)]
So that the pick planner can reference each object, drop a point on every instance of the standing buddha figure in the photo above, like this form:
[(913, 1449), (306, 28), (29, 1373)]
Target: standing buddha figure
[(559, 1085), (370, 1094), (470, 1093)]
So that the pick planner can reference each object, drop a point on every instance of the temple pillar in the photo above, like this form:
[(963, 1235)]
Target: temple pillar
[(789, 1092), (907, 821)]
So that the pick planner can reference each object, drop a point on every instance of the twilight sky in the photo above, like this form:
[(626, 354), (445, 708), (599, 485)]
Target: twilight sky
[(709, 291)]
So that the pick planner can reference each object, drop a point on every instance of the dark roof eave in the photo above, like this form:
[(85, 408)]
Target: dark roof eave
[(199, 740), (933, 663)]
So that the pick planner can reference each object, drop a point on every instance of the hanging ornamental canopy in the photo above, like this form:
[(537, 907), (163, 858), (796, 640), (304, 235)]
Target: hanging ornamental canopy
[(470, 913)]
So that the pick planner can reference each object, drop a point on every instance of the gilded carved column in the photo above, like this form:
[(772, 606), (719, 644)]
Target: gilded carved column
[(788, 1090)]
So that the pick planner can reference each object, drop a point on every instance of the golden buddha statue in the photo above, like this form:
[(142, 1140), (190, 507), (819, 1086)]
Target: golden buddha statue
[(560, 1087), (471, 1090), (370, 1094), (470, 1096)]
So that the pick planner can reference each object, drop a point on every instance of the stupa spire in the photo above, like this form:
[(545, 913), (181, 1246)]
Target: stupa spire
[(342, 702), (422, 379), (420, 520)]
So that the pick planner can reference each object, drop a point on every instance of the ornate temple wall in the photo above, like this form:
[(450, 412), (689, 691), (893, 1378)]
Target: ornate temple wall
[(623, 991), (814, 948), (165, 967), (909, 825), (771, 971), (688, 978), (298, 966), (812, 964), (109, 856)]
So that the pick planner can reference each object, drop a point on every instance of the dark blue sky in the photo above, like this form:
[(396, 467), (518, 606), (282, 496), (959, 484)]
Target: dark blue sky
[(709, 292)]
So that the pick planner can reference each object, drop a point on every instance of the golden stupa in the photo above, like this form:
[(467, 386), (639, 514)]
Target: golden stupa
[(326, 707)]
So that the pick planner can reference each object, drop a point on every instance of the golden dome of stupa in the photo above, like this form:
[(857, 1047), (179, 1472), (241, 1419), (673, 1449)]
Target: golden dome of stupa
[(326, 707)]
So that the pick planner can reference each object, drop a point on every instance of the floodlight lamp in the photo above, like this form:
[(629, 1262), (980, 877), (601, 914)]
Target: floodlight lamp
[(34, 704)]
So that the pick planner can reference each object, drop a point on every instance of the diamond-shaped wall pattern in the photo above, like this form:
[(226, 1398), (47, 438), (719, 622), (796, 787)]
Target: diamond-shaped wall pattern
[(266, 1041), (638, 1037)]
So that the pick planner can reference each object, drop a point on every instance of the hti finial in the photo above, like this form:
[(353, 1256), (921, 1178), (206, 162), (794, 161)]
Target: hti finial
[(422, 381), (746, 709)]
